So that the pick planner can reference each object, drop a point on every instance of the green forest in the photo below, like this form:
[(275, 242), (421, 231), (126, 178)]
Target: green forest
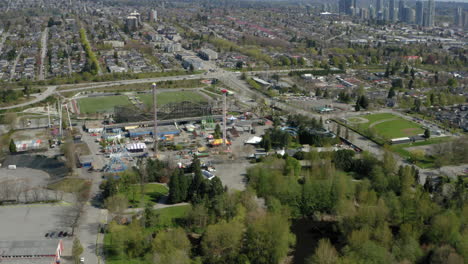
[(328, 207)]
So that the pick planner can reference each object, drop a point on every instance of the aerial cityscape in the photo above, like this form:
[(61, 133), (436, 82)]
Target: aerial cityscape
[(233, 131)]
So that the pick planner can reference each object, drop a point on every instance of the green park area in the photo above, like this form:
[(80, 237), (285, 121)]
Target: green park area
[(159, 218), (105, 104), (152, 193), (101, 104), (385, 126), (419, 157), (172, 97)]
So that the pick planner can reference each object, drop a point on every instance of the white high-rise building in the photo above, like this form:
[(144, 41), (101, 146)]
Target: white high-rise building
[(153, 15), (431, 13)]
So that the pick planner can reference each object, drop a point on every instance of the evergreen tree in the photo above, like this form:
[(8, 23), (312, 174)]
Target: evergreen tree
[(266, 141), (217, 132), (357, 107), (197, 181), (12, 146), (364, 102), (391, 93), (427, 133), (406, 70), (175, 188), (184, 184), (387, 71)]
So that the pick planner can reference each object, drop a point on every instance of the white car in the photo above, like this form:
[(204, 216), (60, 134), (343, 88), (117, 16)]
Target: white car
[(81, 260)]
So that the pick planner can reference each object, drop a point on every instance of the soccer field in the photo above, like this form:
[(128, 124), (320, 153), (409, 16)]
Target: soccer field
[(389, 126), (172, 97), (102, 104)]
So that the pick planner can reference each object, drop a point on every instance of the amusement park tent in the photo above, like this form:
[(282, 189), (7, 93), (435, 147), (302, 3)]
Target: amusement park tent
[(253, 140), (217, 142), (136, 147)]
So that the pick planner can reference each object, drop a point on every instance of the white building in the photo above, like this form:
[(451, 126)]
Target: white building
[(208, 54)]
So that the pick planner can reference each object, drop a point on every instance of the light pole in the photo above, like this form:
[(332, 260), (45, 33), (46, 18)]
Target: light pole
[(155, 128)]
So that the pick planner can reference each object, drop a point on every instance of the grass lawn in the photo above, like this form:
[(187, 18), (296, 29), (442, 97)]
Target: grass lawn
[(426, 161), (172, 97), (398, 128), (68, 185), (101, 104), (168, 216), (152, 194), (392, 126)]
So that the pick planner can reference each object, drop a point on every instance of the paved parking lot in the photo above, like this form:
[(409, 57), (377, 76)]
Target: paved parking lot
[(32, 222)]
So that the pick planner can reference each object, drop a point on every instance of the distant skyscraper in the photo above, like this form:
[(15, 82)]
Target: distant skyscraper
[(347, 7), (372, 12), (408, 15), (379, 9), (431, 13), (458, 17), (342, 6), (391, 10), (401, 10), (419, 12)]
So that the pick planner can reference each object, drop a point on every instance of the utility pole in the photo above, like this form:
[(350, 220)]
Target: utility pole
[(155, 131), (224, 91), (48, 115), (59, 109), (69, 119)]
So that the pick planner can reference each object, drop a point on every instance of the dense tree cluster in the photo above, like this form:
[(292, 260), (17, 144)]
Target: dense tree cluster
[(383, 215), (194, 188)]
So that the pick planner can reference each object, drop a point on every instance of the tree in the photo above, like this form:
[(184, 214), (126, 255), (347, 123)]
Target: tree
[(363, 102), (77, 250), (268, 239), (175, 189), (68, 149), (391, 93), (266, 141), (325, 253), (217, 132), (427, 133), (116, 204), (222, 242), (452, 82), (12, 146), (357, 107), (171, 246)]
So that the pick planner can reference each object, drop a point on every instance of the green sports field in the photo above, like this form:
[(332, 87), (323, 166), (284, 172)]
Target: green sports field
[(101, 104), (106, 104), (172, 97), (388, 126)]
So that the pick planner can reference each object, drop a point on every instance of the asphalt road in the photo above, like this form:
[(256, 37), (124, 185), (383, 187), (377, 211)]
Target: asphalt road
[(92, 216), (43, 52)]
